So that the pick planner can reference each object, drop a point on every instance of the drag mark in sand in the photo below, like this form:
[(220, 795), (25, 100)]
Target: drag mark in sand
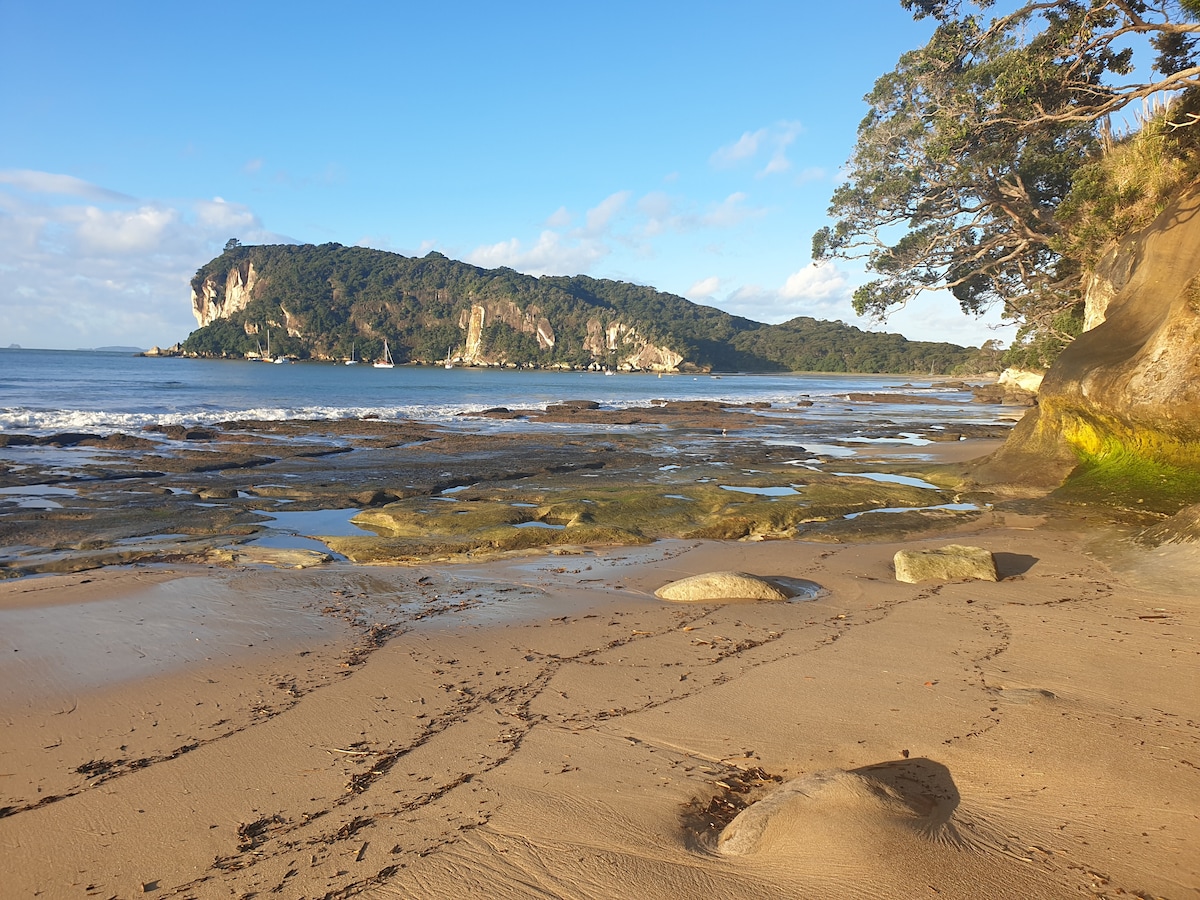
[(470, 708), (511, 701), (355, 602)]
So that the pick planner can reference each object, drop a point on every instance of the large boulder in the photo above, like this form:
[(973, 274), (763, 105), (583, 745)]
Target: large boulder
[(951, 563), (1130, 387), (721, 586)]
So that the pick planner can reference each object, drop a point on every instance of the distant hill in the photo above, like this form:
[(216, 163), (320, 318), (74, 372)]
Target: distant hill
[(335, 302)]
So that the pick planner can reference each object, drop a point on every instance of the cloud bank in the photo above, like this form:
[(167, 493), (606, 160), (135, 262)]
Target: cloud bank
[(82, 265), (616, 222)]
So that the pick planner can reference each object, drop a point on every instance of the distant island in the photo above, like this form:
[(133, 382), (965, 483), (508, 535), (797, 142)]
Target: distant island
[(331, 302)]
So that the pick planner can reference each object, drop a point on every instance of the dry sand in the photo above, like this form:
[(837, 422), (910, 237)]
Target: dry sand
[(545, 727)]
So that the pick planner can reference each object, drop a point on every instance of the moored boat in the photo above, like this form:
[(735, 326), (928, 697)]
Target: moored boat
[(386, 362)]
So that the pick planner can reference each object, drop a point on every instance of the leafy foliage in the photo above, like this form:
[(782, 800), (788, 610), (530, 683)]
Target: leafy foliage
[(1125, 188), (344, 300), (973, 143)]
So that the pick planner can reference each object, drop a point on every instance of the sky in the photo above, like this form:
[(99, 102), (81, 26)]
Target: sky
[(688, 146)]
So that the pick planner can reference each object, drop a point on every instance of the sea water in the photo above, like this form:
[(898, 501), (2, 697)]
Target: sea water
[(48, 391)]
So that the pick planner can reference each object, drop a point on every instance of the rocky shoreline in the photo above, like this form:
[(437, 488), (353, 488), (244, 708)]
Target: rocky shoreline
[(502, 480)]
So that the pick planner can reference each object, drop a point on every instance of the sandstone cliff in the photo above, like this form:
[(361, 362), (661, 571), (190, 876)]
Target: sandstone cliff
[(1127, 392), (219, 298), (628, 349)]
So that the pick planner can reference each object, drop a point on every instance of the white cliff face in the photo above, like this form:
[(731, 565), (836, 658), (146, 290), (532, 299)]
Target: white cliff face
[(654, 359), (474, 349), (292, 323), (217, 302), (631, 349), (1097, 294), (531, 322)]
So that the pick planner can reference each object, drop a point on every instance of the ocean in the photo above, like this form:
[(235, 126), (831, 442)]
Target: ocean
[(49, 391)]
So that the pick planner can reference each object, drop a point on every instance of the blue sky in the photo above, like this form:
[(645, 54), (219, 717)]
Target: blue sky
[(689, 146)]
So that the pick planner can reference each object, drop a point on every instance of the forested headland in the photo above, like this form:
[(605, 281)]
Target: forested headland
[(336, 302)]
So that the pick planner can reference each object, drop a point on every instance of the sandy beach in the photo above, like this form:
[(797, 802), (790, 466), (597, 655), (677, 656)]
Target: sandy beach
[(543, 726)]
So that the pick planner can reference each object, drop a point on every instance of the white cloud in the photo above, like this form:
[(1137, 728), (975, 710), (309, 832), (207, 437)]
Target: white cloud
[(782, 137), (600, 217), (551, 255), (656, 205), (819, 291), (612, 224), (106, 271), (815, 282), (253, 166), (822, 291), (774, 140), (705, 287), (745, 147), (660, 214), (560, 218), (221, 214), (936, 317), (730, 212), (123, 232), (53, 183), (663, 214)]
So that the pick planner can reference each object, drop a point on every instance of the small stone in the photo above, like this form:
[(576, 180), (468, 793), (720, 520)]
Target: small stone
[(951, 563), (721, 586)]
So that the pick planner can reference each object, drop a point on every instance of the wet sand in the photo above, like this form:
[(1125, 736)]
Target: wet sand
[(542, 726)]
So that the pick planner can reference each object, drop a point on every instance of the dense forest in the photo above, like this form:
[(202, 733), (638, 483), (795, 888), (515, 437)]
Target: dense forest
[(337, 302)]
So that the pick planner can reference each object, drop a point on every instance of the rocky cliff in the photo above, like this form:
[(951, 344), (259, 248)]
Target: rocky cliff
[(215, 297), (1126, 394)]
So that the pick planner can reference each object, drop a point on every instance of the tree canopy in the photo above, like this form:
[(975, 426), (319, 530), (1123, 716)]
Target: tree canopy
[(972, 143)]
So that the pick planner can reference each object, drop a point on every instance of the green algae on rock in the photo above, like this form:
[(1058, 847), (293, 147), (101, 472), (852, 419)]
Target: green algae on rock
[(506, 518), (1119, 410)]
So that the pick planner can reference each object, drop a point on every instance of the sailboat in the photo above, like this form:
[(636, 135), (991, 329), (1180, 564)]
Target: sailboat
[(266, 357), (449, 362), (386, 362), (352, 361)]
